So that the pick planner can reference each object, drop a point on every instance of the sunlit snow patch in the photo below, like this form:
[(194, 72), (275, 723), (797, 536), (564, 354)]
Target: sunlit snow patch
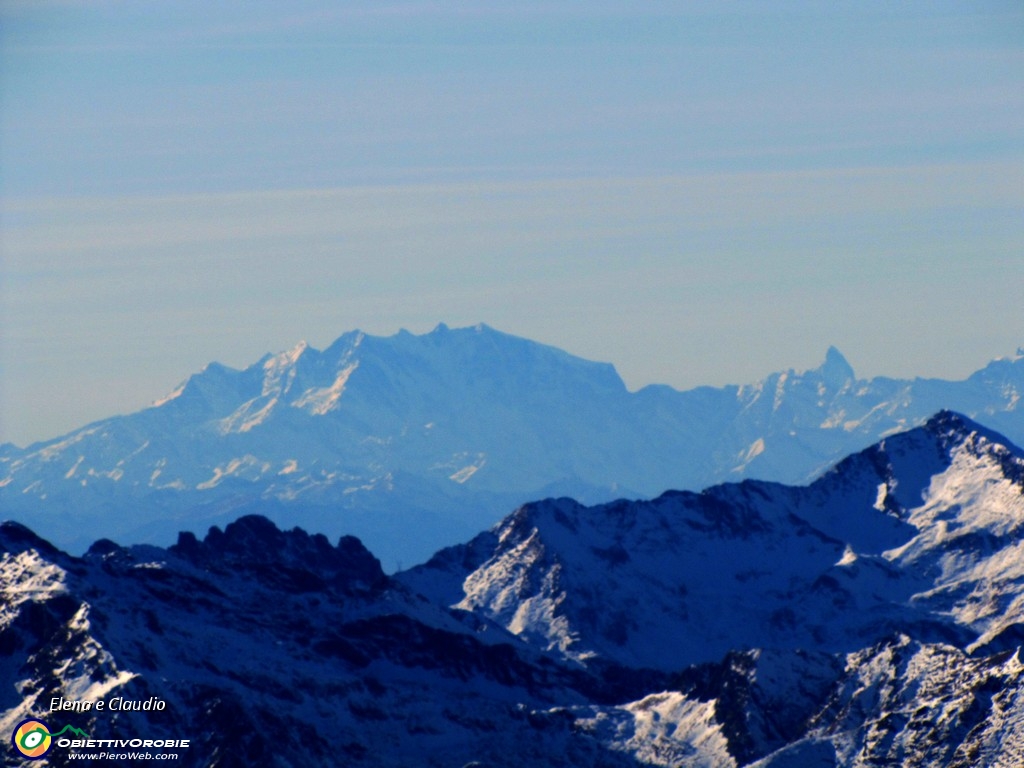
[(756, 449), (248, 467), (664, 729), (321, 401)]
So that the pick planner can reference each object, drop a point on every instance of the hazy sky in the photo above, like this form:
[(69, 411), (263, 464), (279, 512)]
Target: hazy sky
[(696, 192)]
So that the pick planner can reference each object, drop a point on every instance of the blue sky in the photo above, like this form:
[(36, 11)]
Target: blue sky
[(696, 192)]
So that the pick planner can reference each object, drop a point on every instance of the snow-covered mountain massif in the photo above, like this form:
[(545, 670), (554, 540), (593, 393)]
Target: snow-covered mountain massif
[(871, 618), (412, 442)]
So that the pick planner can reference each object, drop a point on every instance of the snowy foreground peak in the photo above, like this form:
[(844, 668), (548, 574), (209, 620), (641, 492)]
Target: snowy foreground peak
[(871, 617), (916, 534), (442, 433)]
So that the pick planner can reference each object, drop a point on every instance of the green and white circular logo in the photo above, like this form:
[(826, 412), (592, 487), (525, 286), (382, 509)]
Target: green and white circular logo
[(32, 738)]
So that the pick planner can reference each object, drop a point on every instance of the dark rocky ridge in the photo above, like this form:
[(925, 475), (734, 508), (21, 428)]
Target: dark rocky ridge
[(799, 626)]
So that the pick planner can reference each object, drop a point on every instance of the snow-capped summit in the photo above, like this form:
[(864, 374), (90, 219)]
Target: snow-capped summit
[(872, 617), (412, 441), (268, 647), (916, 533)]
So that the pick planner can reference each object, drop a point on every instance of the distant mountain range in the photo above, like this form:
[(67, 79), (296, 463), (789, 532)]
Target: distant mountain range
[(871, 618), (412, 442)]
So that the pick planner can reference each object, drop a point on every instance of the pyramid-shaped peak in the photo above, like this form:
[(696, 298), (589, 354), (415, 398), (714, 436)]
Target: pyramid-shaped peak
[(950, 421), (953, 428), (942, 434), (835, 359), (836, 370)]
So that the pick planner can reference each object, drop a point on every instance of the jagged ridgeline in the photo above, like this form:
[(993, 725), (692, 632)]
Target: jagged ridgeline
[(413, 442), (871, 618)]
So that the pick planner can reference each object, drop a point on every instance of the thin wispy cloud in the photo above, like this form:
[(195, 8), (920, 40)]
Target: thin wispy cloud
[(218, 180)]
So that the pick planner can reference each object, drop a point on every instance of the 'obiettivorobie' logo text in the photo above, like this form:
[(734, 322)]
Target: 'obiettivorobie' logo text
[(124, 743), (33, 739)]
